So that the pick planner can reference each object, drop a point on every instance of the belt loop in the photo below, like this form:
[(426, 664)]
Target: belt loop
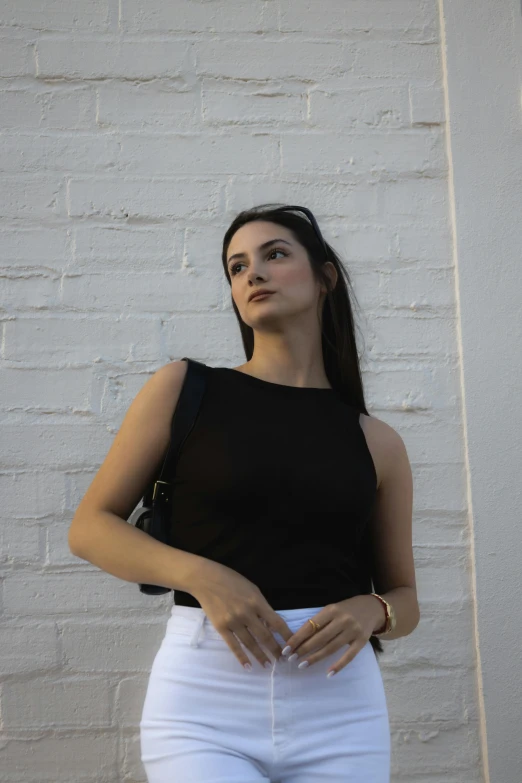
[(200, 630)]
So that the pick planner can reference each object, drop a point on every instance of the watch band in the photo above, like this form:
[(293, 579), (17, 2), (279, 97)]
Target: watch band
[(387, 626)]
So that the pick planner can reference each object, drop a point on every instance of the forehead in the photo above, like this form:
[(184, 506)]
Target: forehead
[(254, 233)]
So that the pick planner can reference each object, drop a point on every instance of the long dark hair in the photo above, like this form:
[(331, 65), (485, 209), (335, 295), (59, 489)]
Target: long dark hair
[(339, 345)]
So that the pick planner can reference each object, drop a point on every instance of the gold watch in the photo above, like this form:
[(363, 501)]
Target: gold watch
[(391, 620)]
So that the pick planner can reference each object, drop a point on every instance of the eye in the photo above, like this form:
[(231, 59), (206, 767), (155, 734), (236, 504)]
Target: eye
[(233, 268), (277, 250), (240, 263)]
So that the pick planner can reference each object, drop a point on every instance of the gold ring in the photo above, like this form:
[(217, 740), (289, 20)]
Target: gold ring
[(315, 626)]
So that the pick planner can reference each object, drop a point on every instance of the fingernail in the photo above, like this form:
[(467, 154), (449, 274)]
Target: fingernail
[(248, 666), (293, 657), (303, 665), (267, 665), (287, 650), (331, 674)]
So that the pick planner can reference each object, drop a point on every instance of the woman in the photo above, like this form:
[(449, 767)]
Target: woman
[(290, 505)]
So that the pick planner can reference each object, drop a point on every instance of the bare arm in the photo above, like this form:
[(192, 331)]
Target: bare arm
[(391, 531), (99, 532)]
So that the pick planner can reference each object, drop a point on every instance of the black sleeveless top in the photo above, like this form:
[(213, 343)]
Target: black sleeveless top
[(276, 482)]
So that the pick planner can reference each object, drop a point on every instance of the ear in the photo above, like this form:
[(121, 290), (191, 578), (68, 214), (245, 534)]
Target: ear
[(331, 271)]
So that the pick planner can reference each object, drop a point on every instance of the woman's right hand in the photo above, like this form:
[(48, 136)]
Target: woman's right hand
[(237, 608)]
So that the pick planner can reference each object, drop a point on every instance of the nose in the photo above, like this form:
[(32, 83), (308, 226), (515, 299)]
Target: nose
[(257, 276)]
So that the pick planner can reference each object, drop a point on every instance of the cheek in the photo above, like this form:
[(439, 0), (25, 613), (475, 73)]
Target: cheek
[(296, 283)]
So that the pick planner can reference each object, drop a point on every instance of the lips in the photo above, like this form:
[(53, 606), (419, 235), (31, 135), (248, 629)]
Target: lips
[(260, 294)]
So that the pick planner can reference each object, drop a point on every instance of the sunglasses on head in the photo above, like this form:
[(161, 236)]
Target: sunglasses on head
[(312, 220)]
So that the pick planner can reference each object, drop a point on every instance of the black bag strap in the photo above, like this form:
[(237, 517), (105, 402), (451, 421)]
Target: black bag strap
[(183, 420)]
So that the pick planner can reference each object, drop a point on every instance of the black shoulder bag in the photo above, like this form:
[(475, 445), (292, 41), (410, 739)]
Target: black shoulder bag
[(154, 515)]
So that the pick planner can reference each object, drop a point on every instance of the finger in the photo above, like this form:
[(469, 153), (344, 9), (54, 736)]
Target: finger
[(306, 639), (261, 631), (354, 648), (245, 636), (236, 647), (316, 642), (323, 618), (276, 623), (328, 648)]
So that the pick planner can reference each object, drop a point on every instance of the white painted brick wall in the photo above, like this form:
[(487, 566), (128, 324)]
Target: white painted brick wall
[(131, 134)]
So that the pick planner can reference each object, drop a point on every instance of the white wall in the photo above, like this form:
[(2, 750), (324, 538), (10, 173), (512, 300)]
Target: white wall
[(128, 144), (484, 65)]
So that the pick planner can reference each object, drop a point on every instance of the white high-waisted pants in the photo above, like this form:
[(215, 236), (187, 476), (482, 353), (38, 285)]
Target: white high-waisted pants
[(206, 719)]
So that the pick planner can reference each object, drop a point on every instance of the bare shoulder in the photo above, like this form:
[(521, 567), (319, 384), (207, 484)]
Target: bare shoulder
[(161, 392), (174, 370), (384, 443), (136, 451)]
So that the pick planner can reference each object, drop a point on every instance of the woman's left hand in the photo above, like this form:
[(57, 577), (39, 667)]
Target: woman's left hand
[(349, 622)]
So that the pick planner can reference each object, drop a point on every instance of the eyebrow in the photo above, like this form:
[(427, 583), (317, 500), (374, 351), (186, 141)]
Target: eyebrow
[(261, 247)]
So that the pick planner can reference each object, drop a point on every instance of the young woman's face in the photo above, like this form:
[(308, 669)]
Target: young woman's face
[(282, 267)]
